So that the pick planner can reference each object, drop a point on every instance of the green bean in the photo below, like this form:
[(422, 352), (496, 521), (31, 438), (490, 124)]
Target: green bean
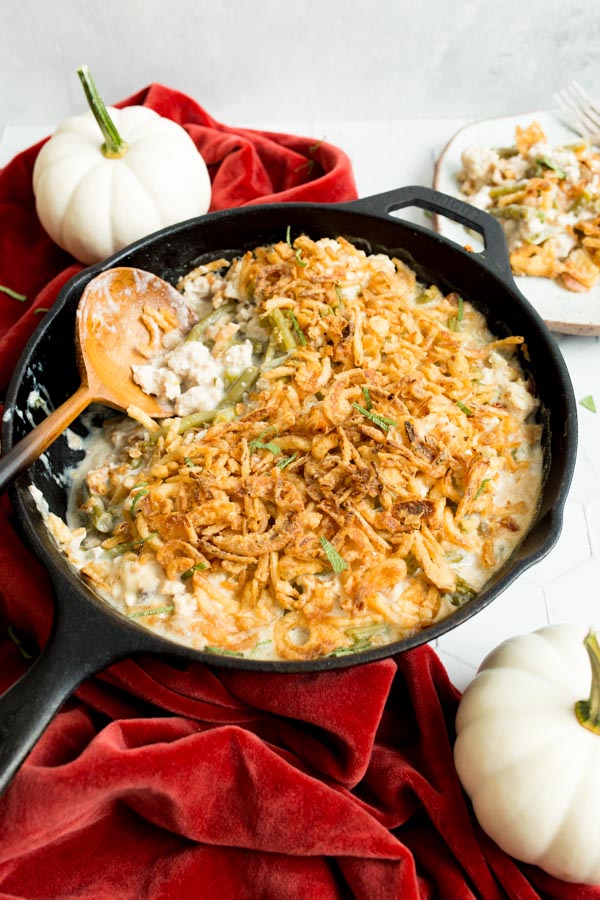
[(224, 414), (242, 384), (507, 189), (99, 517), (297, 329), (195, 419), (462, 593), (280, 324), (258, 347), (366, 631), (512, 211), (200, 327), (130, 545), (338, 294), (270, 361), (507, 152)]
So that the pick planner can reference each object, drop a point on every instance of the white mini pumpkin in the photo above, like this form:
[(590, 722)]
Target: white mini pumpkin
[(528, 750), (97, 189)]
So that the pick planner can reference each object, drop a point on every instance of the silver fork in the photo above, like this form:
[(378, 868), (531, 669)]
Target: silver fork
[(581, 111)]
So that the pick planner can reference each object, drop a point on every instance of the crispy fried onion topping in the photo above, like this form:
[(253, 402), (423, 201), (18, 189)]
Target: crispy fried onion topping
[(332, 504)]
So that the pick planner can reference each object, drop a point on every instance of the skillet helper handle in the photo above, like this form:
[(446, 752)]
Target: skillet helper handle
[(27, 450), (495, 253), (81, 645)]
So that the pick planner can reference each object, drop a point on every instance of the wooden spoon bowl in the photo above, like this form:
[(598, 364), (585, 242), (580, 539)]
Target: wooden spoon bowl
[(109, 338)]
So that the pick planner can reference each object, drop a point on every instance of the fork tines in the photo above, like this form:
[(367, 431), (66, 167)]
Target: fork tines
[(581, 110)]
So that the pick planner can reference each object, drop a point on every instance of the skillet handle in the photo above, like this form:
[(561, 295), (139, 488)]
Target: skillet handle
[(495, 253), (82, 643)]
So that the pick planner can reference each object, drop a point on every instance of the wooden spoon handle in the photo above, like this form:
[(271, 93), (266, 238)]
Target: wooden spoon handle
[(33, 444)]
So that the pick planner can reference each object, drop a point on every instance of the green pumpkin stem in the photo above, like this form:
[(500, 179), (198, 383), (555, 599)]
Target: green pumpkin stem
[(114, 147), (588, 711)]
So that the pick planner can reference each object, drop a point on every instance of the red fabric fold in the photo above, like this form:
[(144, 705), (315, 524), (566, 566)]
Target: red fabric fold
[(164, 782)]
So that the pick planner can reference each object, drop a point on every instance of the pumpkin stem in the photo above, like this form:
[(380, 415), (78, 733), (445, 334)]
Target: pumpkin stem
[(114, 147), (588, 711)]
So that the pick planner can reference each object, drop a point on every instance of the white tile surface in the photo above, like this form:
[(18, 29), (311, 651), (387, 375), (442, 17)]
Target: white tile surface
[(564, 587)]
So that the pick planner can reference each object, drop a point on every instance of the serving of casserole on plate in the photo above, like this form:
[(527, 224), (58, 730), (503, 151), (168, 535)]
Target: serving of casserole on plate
[(542, 182)]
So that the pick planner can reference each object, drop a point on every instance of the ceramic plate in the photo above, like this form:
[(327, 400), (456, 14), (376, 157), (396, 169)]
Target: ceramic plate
[(564, 311)]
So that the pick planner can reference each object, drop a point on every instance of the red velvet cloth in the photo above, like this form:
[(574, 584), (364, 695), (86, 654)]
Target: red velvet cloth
[(166, 783)]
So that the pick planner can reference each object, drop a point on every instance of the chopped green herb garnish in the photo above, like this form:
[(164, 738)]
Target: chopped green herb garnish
[(258, 444), (6, 290), (135, 501), (588, 403), (367, 397), (381, 421), (298, 253), (481, 488), (156, 611), (40, 310), (308, 164), (18, 643), (271, 446), (463, 408), (296, 327), (222, 651), (338, 563), (285, 462), (189, 572), (253, 651)]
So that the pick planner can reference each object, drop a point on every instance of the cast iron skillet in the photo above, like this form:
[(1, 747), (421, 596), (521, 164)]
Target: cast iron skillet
[(88, 634)]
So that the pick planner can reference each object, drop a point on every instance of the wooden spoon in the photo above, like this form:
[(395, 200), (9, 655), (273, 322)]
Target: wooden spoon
[(108, 335)]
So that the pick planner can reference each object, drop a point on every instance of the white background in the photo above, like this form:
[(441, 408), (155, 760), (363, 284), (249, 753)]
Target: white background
[(286, 60)]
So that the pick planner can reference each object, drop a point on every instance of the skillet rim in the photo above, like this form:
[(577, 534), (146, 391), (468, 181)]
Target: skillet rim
[(495, 263)]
